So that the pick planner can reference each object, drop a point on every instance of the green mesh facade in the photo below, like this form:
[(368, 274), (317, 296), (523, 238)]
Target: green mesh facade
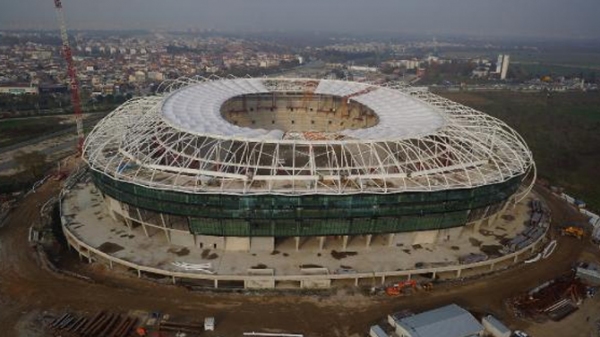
[(316, 215)]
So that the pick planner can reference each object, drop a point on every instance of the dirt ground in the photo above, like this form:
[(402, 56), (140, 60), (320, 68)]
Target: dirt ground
[(25, 287)]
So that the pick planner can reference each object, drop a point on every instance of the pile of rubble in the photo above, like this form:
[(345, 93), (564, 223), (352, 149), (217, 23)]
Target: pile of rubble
[(101, 324), (555, 299)]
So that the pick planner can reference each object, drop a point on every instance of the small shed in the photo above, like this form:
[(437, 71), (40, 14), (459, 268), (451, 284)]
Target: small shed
[(448, 321), (495, 327), (377, 331)]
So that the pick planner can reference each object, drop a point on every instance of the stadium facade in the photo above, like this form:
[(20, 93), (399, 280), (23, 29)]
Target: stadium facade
[(245, 163)]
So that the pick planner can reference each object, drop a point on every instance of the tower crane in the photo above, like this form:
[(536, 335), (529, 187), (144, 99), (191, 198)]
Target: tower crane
[(67, 54)]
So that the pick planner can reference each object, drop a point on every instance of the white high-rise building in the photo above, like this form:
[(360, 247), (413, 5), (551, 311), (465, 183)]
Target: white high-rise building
[(505, 61), (499, 64)]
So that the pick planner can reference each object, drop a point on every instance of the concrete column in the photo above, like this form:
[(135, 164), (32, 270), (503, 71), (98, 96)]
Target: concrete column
[(164, 224), (477, 226), (110, 264), (465, 230), (369, 238), (458, 273), (139, 273), (174, 281), (321, 242), (492, 266), (344, 242), (139, 215), (145, 230), (216, 283), (128, 223), (297, 239), (382, 279), (89, 256), (391, 239), (516, 258), (497, 216), (356, 282), (433, 275)]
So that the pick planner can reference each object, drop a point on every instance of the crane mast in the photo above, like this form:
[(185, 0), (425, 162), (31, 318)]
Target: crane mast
[(68, 55)]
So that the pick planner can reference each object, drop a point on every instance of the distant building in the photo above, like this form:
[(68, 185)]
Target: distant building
[(363, 68), (54, 89), (499, 64), (19, 90), (505, 61), (448, 321), (156, 76), (480, 72)]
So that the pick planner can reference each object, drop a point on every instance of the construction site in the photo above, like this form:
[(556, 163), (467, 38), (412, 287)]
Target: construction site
[(57, 285), (291, 208)]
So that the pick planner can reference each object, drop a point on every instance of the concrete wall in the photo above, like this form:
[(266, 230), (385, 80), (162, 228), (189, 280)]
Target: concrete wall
[(425, 237), (210, 242), (259, 283), (262, 244), (315, 283), (113, 207), (236, 243), (449, 234), (404, 239), (180, 238)]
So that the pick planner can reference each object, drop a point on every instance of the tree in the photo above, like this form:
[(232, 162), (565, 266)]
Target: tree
[(33, 163)]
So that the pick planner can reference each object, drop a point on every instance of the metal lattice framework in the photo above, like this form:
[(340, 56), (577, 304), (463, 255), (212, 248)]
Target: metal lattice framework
[(142, 142)]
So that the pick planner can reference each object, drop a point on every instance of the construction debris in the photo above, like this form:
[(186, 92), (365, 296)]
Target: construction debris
[(555, 299), (202, 267), (101, 324)]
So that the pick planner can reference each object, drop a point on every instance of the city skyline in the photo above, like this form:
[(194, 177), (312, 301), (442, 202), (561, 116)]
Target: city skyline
[(511, 18)]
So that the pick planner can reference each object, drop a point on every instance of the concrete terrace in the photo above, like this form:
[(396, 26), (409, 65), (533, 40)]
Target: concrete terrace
[(85, 216)]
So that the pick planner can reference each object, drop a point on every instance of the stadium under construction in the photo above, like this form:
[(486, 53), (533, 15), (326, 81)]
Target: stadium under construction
[(265, 164)]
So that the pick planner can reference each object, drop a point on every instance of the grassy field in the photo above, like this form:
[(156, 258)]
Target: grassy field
[(540, 69), (19, 130), (563, 132), (575, 59)]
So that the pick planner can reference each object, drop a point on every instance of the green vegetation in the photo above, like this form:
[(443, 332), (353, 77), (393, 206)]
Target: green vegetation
[(559, 57), (453, 72), (11, 103), (14, 131), (527, 71), (561, 129)]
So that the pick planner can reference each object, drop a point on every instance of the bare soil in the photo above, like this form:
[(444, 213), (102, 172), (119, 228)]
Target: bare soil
[(25, 287)]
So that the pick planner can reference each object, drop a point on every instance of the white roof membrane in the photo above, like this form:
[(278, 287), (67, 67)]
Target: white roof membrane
[(196, 109)]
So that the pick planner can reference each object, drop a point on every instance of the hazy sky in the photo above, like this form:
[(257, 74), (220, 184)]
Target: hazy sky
[(548, 18)]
